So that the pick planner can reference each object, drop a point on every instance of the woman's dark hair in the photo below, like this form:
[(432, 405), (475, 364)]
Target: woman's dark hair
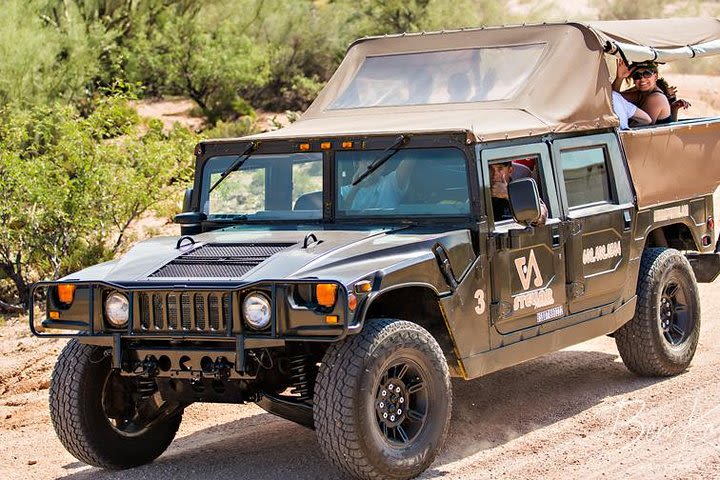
[(663, 85)]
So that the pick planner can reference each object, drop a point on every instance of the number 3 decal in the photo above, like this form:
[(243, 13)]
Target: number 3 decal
[(480, 297)]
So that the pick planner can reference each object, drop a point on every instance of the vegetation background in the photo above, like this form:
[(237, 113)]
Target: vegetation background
[(78, 165)]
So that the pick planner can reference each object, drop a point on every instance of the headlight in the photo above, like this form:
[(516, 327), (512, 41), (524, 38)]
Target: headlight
[(256, 310), (117, 309)]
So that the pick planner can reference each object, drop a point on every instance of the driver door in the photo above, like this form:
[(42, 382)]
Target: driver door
[(527, 264)]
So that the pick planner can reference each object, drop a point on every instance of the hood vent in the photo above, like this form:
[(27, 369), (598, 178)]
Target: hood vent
[(220, 260)]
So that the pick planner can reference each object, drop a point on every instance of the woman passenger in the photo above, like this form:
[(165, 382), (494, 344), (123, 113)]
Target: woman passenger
[(650, 93)]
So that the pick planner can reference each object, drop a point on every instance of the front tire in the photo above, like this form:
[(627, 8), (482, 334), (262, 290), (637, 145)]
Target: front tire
[(661, 338), (383, 401), (100, 417)]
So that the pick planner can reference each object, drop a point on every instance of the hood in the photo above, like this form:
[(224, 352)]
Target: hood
[(247, 256)]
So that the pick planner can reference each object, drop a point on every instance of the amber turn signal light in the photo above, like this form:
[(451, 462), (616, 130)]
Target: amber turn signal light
[(54, 315), (66, 293), (352, 302), (347, 144), (326, 294), (325, 145), (363, 286), (304, 147)]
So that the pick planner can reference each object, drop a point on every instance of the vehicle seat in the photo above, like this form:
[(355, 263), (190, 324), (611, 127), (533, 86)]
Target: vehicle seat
[(309, 201)]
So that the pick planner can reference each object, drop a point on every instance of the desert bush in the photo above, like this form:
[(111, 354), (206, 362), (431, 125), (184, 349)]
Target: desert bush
[(210, 63), (70, 186), (39, 63)]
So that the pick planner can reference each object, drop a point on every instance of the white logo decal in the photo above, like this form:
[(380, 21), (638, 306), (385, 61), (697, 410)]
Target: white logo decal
[(480, 297), (535, 298), (525, 269), (602, 252), (546, 315)]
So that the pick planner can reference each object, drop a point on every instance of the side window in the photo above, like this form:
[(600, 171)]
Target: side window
[(586, 175), (503, 171)]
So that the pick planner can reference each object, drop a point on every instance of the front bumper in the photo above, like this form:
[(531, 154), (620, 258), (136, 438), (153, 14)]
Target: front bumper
[(190, 312)]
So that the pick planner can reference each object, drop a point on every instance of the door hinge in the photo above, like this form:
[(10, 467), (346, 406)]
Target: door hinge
[(574, 227), (497, 242), (575, 290), (499, 310)]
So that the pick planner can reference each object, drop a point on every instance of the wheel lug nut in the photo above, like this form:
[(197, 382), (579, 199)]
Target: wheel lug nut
[(385, 415), (392, 418), (397, 390), (383, 393), (399, 411), (402, 400), (391, 386), (382, 405)]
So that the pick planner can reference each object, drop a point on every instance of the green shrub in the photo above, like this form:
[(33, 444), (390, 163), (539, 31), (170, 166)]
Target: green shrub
[(70, 187)]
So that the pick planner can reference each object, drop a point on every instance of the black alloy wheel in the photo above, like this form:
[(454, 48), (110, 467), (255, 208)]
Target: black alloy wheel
[(675, 319), (402, 403)]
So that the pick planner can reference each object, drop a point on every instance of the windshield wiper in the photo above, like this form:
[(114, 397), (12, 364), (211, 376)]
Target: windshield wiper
[(229, 218), (384, 157), (236, 164)]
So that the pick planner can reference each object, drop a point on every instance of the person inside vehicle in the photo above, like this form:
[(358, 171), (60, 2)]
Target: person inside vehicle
[(651, 93), (381, 189), (628, 113), (500, 175)]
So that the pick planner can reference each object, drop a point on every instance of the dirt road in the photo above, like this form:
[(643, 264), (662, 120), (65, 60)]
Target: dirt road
[(577, 413)]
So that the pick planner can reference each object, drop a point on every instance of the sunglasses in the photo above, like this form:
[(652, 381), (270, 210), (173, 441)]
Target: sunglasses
[(642, 74)]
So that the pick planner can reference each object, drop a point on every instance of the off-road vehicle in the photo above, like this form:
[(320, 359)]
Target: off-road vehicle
[(338, 272)]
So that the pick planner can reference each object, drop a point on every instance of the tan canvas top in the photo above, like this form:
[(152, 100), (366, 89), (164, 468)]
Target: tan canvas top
[(519, 80)]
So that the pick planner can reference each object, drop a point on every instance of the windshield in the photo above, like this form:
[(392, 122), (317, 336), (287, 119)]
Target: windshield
[(451, 76), (272, 187), (430, 181)]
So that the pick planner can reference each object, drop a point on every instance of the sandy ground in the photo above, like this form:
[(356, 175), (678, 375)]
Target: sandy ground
[(577, 413)]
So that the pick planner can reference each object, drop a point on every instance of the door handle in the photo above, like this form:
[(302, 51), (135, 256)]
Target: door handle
[(556, 238), (627, 220)]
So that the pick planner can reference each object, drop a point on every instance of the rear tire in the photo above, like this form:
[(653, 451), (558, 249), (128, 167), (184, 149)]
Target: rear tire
[(661, 339), (98, 415), (383, 401)]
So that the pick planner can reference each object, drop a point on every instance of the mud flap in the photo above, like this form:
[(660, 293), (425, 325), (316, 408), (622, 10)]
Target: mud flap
[(705, 265)]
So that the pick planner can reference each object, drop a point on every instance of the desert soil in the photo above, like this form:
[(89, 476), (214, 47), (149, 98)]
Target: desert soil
[(577, 413)]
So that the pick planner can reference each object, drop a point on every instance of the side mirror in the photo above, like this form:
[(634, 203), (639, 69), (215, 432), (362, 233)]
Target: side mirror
[(190, 218), (524, 200), (187, 199)]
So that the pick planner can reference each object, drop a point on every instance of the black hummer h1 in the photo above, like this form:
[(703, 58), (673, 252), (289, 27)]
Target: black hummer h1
[(338, 272)]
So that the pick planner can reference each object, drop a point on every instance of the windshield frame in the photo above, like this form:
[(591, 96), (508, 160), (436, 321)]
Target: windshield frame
[(208, 149)]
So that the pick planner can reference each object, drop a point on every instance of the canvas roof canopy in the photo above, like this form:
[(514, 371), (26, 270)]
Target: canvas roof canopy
[(493, 83)]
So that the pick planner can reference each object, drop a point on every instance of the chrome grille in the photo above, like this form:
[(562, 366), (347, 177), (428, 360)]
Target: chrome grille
[(207, 312)]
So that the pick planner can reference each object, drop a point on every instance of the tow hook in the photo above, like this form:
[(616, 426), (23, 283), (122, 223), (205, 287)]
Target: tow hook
[(147, 368)]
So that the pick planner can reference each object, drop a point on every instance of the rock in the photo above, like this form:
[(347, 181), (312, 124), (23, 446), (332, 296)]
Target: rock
[(32, 462)]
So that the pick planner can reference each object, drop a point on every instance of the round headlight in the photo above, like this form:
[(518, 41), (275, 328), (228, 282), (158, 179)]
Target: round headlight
[(256, 310), (117, 309)]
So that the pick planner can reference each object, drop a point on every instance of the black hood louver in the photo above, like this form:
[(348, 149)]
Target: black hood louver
[(220, 260)]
